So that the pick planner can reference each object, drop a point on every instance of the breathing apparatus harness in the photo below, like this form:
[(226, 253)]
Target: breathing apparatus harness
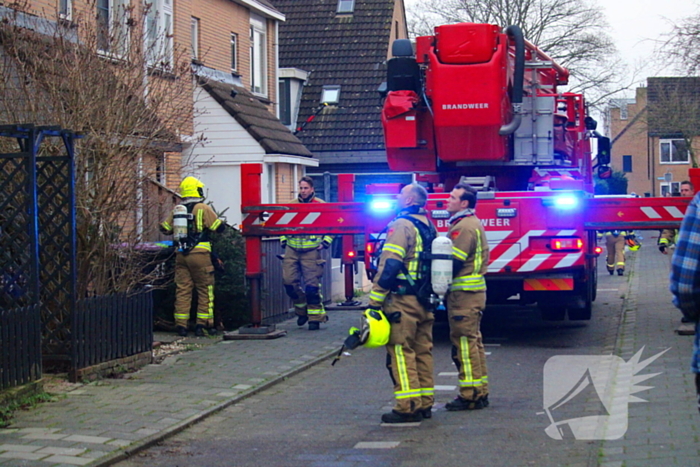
[(183, 227)]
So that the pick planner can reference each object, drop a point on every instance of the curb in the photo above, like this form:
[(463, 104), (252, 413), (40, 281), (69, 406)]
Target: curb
[(149, 441)]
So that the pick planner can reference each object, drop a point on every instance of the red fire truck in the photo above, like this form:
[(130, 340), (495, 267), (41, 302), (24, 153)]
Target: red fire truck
[(480, 104)]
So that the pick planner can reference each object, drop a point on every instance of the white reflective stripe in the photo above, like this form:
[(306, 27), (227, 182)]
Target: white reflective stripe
[(286, 218), (674, 211), (566, 233), (257, 221), (651, 212), (377, 236), (513, 252), (568, 260), (311, 218), (495, 237), (534, 262)]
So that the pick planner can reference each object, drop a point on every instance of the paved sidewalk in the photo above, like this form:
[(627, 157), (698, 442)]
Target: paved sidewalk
[(102, 422)]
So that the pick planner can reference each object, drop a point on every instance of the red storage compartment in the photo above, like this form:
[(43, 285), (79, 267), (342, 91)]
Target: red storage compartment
[(469, 97), (466, 42)]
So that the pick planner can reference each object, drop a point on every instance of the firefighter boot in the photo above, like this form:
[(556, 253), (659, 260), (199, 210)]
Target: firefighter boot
[(181, 331), (464, 404), (302, 319), (399, 417), (314, 326), (620, 272), (199, 330), (427, 412)]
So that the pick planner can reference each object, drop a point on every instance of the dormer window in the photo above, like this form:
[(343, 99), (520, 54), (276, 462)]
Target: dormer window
[(346, 6), (330, 95)]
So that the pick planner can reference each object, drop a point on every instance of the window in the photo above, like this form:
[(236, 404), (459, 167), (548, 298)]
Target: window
[(623, 112), (346, 6), (194, 33), (112, 31), (285, 100), (627, 163), (330, 95), (159, 33), (160, 168), (65, 9), (258, 55), (674, 151), (669, 189), (234, 52)]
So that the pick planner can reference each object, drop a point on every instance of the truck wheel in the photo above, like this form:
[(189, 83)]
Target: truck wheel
[(552, 312)]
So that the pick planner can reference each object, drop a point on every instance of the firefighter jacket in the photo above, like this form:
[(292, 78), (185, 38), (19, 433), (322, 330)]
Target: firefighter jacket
[(306, 242), (400, 256), (204, 221), (667, 237), (470, 250)]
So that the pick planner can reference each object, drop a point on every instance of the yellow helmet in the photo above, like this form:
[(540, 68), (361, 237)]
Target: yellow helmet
[(374, 332), (633, 244), (191, 188)]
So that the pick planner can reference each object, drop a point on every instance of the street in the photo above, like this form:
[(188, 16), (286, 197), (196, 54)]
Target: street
[(329, 416)]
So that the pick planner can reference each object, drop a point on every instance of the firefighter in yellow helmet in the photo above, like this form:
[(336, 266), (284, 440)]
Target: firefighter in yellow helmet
[(190, 223), (395, 288), (467, 299), (302, 263)]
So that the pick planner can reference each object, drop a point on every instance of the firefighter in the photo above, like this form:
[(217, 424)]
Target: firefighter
[(667, 237), (193, 264), (467, 299), (409, 350), (302, 263), (615, 241)]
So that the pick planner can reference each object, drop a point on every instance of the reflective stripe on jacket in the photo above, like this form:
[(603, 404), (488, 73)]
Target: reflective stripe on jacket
[(470, 247)]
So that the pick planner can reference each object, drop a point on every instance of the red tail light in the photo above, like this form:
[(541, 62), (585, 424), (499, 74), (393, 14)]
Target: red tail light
[(559, 244), (369, 248), (598, 250)]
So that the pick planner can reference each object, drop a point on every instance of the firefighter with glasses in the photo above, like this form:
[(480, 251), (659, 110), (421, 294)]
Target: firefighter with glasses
[(467, 299), (395, 289), (302, 263), (190, 223)]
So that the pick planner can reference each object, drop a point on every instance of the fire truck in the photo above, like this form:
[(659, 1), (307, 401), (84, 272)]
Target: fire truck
[(480, 104)]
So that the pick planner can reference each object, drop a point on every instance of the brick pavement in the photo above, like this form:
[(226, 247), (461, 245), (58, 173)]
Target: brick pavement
[(99, 423)]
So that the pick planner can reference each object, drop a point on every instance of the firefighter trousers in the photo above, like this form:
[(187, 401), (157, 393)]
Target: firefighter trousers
[(194, 271), (304, 267), (616, 252), (410, 353), (464, 311)]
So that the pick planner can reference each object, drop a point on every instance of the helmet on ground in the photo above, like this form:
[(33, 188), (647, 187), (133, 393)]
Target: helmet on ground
[(191, 188), (374, 332), (633, 244)]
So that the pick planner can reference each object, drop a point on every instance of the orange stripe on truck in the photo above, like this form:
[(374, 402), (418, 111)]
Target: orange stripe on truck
[(537, 285)]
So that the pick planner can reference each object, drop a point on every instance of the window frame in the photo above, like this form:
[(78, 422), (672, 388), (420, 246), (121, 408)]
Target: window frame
[(669, 141), (66, 14), (159, 47), (258, 67), (627, 163), (234, 51), (330, 88), (194, 37), (669, 188), (112, 50), (346, 6)]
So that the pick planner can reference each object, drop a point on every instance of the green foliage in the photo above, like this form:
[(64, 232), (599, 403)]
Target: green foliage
[(615, 185), (23, 403)]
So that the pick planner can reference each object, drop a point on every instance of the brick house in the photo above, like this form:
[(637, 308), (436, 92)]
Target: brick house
[(652, 133), (334, 52)]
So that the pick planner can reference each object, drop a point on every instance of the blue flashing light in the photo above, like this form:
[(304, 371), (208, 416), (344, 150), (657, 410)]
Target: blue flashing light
[(380, 205), (566, 201)]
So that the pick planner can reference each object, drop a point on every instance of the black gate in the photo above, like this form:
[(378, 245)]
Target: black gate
[(41, 319)]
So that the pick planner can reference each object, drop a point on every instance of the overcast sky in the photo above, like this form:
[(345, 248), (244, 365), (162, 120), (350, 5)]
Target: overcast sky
[(635, 25)]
